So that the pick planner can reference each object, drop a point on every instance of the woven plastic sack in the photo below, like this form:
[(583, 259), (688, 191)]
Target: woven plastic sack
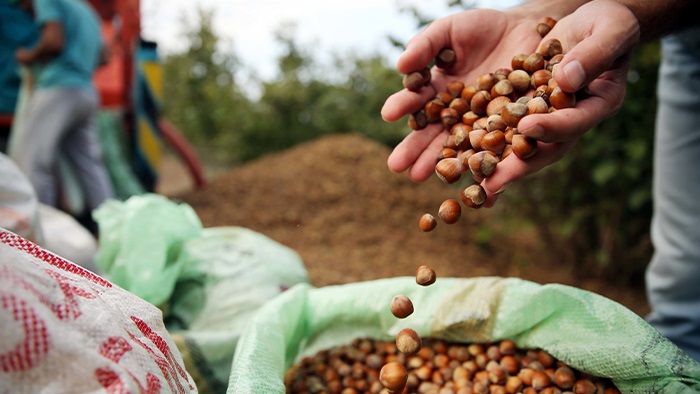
[(228, 274), (140, 243), (66, 330), (589, 332)]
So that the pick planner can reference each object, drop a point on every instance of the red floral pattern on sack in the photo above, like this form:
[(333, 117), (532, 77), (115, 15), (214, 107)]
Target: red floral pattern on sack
[(35, 345), (66, 306), (24, 245)]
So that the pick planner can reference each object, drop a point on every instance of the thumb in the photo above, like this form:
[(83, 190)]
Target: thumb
[(596, 48)]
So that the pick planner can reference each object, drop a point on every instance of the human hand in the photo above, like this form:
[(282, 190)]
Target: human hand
[(483, 40), (599, 36), (598, 39)]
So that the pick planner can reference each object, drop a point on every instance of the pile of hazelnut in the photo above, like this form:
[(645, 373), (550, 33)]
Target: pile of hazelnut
[(439, 367), (482, 118)]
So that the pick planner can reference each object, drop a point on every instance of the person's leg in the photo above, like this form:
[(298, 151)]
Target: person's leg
[(82, 147), (44, 121), (673, 276)]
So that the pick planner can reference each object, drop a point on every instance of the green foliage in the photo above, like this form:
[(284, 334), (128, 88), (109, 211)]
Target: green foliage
[(205, 102), (593, 208)]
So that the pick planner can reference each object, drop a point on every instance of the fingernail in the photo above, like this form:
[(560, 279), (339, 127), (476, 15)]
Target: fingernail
[(503, 188), (574, 73), (535, 131)]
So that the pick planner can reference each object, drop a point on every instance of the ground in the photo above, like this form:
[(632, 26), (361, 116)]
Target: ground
[(335, 202)]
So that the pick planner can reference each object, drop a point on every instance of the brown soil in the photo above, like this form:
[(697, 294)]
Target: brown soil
[(334, 201)]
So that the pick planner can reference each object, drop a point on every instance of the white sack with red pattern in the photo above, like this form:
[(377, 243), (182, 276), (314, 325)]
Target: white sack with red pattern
[(64, 329)]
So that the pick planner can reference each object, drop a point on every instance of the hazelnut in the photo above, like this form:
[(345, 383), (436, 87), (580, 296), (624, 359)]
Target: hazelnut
[(449, 117), (479, 102), (540, 380), (533, 62), (496, 105), (584, 386), (468, 92), (518, 61), (540, 77), (427, 222), (537, 105), (486, 81), (454, 88), (473, 196), (417, 120), (495, 122), (550, 48), (564, 377), (408, 341), (401, 306), (482, 164), (502, 88), (460, 105), (425, 276), (524, 147), (512, 113), (560, 99), (444, 97), (446, 58), (449, 170), (393, 376), (433, 109), (450, 210), (460, 131), (413, 81), (447, 153), (545, 25), (494, 141), (469, 118), (475, 137), (520, 80)]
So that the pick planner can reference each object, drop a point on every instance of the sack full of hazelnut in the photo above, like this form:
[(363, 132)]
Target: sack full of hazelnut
[(589, 333)]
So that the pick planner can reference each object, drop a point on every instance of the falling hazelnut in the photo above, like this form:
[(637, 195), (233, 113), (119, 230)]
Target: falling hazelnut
[(393, 376), (427, 222), (450, 210), (401, 306), (425, 276), (408, 341)]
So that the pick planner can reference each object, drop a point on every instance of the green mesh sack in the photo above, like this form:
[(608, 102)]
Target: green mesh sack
[(589, 332)]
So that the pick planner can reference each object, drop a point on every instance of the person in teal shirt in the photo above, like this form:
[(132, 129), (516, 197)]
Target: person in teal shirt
[(61, 112), (17, 29)]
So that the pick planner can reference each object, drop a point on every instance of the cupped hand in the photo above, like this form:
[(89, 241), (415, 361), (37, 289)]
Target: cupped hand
[(483, 40), (598, 40)]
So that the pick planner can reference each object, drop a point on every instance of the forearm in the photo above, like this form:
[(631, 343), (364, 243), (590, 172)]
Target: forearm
[(556, 9), (660, 17)]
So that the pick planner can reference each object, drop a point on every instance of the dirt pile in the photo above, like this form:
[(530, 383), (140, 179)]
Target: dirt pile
[(334, 201)]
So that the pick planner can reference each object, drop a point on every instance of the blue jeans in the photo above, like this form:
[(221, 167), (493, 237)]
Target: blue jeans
[(673, 276)]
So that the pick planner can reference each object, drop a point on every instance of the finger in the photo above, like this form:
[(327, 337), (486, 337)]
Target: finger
[(423, 47), (512, 168), (424, 166), (406, 102), (596, 49), (410, 149), (606, 97)]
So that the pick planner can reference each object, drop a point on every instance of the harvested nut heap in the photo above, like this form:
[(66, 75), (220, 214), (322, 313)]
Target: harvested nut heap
[(482, 118), (439, 367)]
